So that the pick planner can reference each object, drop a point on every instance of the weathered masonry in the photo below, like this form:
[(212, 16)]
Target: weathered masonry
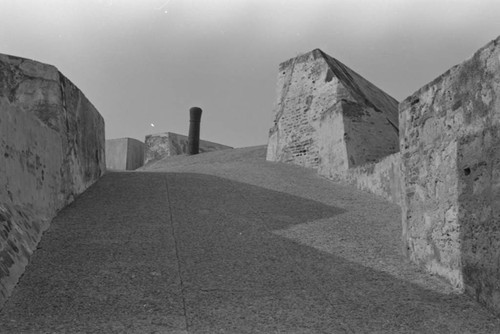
[(161, 145), (52, 148), (124, 154), (446, 176), (450, 150), (330, 118)]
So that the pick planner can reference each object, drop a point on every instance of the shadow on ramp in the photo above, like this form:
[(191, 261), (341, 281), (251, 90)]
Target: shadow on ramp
[(194, 253)]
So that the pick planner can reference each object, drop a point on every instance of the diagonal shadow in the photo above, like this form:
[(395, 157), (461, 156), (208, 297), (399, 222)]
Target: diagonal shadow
[(144, 251), (234, 258), (476, 217)]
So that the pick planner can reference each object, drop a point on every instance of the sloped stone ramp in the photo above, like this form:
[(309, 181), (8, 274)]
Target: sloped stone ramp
[(226, 242)]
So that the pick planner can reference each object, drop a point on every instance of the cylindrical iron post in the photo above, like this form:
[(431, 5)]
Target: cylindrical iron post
[(194, 131)]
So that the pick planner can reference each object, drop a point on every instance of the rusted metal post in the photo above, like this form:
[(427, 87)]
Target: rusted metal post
[(194, 131)]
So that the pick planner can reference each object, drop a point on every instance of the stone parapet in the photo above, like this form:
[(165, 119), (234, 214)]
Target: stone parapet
[(52, 149), (161, 145), (124, 154), (450, 152), (382, 178)]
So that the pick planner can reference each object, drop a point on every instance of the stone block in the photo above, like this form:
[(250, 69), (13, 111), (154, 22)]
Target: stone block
[(330, 118), (451, 177), (52, 149), (124, 154), (161, 145)]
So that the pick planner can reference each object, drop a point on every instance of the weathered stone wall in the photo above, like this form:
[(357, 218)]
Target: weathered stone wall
[(166, 144), (328, 117), (304, 93), (116, 153), (450, 166), (124, 154), (157, 147), (479, 212), (52, 148), (382, 178), (135, 154)]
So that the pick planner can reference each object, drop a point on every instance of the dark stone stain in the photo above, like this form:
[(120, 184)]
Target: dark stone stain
[(456, 105), (329, 76), (13, 246), (309, 100), (419, 123), (10, 79), (48, 114), (5, 216), (5, 259), (472, 78), (337, 107), (369, 168), (353, 110)]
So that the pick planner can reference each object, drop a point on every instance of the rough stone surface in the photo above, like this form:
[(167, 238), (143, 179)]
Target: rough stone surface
[(382, 178), (167, 144), (124, 154), (226, 242), (450, 167), (328, 117), (52, 148)]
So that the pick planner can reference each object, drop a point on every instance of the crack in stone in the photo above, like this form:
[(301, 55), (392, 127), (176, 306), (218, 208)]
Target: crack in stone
[(176, 244)]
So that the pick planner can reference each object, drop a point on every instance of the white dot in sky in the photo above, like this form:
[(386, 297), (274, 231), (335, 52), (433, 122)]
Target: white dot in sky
[(152, 125)]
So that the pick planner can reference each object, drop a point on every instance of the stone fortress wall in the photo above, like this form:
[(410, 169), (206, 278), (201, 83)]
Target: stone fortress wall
[(330, 118), (52, 149), (382, 177), (130, 154), (450, 150), (161, 145), (124, 154), (446, 176)]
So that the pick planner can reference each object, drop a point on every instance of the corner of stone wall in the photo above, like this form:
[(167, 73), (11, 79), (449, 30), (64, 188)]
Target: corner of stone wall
[(52, 142), (451, 171)]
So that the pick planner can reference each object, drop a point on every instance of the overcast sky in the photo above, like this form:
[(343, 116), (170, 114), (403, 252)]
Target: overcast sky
[(144, 62)]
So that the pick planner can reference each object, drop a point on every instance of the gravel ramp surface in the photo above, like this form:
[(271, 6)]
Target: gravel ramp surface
[(226, 242)]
